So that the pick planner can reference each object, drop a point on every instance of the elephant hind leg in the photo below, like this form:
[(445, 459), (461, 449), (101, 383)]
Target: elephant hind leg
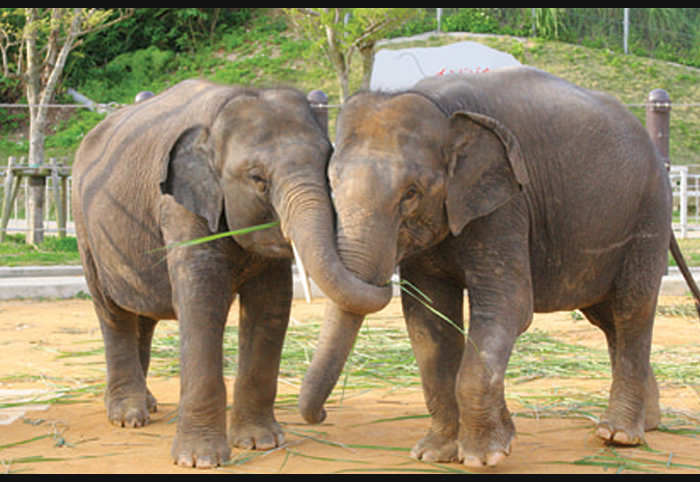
[(146, 328), (127, 339), (634, 396)]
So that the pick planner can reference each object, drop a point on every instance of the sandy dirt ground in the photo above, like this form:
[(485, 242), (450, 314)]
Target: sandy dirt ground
[(77, 437)]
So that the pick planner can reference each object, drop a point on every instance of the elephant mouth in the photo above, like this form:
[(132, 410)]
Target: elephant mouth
[(273, 250), (265, 244)]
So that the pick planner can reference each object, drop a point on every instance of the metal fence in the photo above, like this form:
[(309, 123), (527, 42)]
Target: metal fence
[(685, 181)]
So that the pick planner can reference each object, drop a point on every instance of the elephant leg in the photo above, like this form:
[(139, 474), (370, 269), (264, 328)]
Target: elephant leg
[(627, 319), (146, 328), (265, 303), (498, 279), (634, 395), (438, 347), (485, 425), (203, 280), (202, 301), (127, 340), (127, 397)]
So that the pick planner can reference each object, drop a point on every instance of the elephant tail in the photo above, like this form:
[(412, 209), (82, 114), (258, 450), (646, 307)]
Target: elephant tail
[(680, 261)]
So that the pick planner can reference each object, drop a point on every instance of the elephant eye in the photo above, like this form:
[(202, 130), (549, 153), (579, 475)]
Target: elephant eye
[(410, 194), (260, 183), (409, 200)]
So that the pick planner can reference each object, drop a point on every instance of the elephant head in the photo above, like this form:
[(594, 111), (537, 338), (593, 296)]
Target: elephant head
[(263, 159), (404, 176)]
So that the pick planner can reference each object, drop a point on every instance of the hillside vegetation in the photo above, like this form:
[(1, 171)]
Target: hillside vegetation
[(265, 52)]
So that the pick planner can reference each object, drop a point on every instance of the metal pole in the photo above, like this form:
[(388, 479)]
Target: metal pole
[(626, 28)]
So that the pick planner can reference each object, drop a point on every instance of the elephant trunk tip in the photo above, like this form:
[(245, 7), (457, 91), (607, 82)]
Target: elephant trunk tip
[(311, 414)]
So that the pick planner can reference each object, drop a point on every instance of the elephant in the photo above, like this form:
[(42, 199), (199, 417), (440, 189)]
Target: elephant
[(534, 195), (198, 159)]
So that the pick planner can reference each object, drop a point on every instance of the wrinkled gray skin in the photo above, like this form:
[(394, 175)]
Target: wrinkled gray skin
[(534, 195), (196, 160)]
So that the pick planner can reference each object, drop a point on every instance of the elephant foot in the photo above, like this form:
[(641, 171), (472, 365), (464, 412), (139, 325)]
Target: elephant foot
[(129, 412), (201, 452), (151, 402), (476, 460), (489, 448), (262, 435), (652, 418), (435, 448), (618, 435)]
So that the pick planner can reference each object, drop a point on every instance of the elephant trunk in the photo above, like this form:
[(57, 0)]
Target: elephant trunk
[(337, 338), (338, 333), (307, 220)]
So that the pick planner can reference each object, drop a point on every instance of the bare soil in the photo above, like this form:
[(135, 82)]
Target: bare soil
[(64, 438)]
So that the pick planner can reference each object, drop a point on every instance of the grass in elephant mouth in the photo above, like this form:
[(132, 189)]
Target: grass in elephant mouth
[(237, 232)]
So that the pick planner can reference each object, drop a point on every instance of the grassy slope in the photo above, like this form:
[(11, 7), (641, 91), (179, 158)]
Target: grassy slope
[(267, 54)]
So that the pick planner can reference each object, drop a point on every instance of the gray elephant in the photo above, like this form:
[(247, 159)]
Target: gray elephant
[(533, 194), (195, 160)]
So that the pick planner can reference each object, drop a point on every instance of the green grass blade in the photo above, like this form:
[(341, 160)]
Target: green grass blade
[(237, 232), (421, 299)]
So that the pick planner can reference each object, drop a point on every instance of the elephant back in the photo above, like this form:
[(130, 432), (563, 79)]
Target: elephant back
[(142, 134), (116, 175)]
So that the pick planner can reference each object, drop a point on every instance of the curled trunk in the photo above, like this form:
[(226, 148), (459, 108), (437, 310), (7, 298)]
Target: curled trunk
[(307, 219)]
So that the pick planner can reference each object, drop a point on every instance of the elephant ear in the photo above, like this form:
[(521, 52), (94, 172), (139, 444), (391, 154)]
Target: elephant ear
[(190, 178), (486, 168)]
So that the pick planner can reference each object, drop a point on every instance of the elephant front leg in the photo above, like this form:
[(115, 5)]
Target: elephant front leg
[(437, 346), (203, 288), (265, 303), (485, 425)]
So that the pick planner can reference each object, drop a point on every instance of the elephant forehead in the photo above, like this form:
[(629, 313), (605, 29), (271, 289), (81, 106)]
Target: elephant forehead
[(377, 175), (407, 127)]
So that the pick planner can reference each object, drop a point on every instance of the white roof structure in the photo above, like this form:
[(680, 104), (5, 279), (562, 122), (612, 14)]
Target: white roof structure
[(401, 69)]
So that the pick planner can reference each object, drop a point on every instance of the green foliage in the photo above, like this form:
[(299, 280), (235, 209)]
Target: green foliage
[(255, 47), (126, 75), (168, 29), (70, 133), (476, 20), (53, 250)]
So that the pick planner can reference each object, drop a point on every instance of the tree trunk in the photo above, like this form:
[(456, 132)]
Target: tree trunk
[(38, 97), (37, 114), (367, 53), (339, 63)]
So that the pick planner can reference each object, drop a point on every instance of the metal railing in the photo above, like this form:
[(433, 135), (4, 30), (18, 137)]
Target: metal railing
[(686, 198)]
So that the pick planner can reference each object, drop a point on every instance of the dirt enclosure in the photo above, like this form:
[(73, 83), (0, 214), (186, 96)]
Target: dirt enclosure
[(367, 431)]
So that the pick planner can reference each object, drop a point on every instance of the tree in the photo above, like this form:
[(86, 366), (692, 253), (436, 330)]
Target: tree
[(35, 43), (343, 32)]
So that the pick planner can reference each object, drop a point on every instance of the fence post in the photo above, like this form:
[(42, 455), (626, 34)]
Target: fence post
[(59, 197), (319, 101), (7, 198), (658, 126), (35, 209), (658, 121)]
